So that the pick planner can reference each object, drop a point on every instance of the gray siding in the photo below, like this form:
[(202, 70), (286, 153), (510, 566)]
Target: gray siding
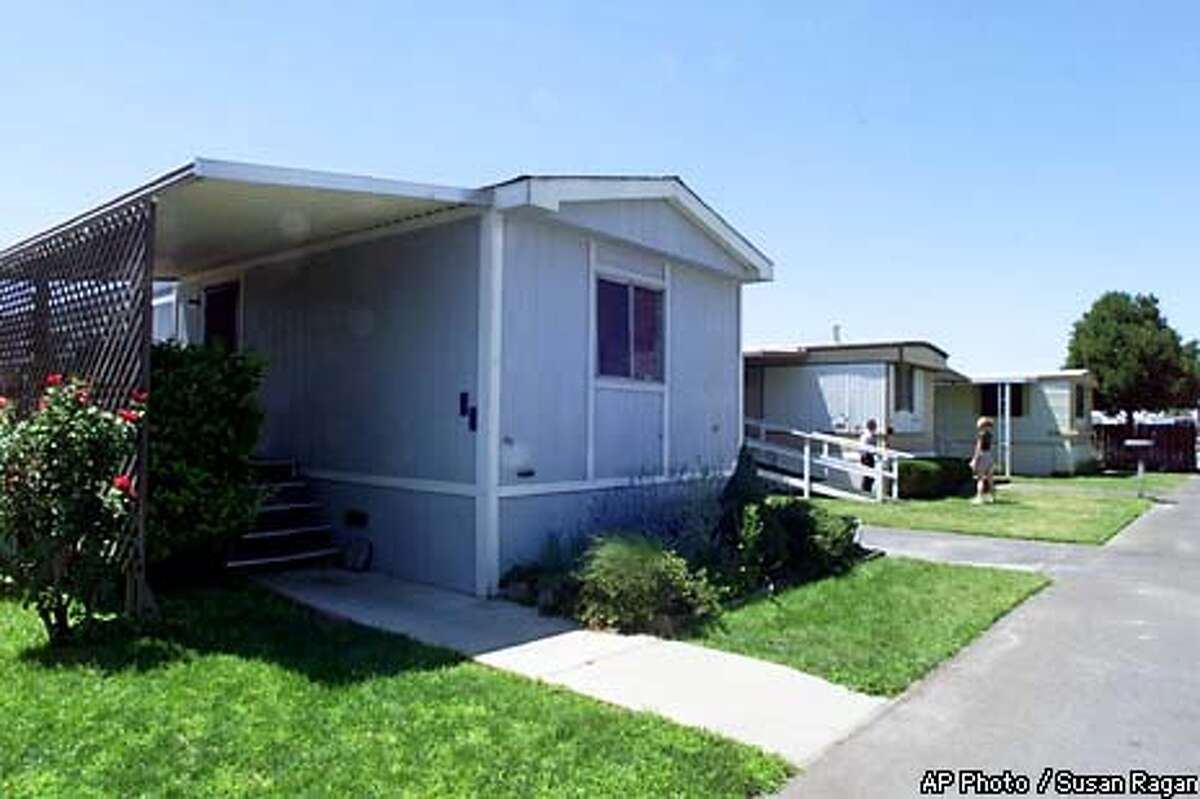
[(811, 398), (654, 224), (367, 349), (543, 397), (527, 522), (429, 538), (545, 365), (629, 432), (704, 367)]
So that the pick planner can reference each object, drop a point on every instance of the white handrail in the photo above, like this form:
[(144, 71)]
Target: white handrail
[(841, 441), (885, 456)]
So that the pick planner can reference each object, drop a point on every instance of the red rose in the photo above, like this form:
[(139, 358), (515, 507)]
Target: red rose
[(139, 396), (84, 396), (133, 417), (3, 403), (124, 484), (54, 379)]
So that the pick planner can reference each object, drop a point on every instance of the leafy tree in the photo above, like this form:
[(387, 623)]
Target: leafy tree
[(1137, 358)]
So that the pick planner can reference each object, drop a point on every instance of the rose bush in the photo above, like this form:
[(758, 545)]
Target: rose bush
[(65, 509)]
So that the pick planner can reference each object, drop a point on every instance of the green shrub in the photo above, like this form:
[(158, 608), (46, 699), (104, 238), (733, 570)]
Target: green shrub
[(631, 583), (65, 531), (551, 582), (820, 542), (204, 422), (931, 478)]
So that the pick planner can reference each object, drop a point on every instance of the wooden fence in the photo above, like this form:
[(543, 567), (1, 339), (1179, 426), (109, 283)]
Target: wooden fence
[(1174, 447)]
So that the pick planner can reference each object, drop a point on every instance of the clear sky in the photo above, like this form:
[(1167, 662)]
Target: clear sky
[(970, 173)]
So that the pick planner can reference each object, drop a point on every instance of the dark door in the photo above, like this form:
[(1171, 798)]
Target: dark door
[(221, 316)]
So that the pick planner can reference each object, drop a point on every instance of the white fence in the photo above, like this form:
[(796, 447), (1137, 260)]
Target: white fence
[(785, 452)]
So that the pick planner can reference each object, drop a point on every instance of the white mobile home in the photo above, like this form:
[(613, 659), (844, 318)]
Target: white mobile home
[(464, 371), (836, 388), (1043, 421)]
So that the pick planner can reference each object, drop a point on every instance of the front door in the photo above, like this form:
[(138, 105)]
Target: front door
[(221, 316)]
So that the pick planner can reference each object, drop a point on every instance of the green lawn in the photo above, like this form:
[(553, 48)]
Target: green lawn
[(878, 628), (1062, 513), (244, 694), (1157, 483)]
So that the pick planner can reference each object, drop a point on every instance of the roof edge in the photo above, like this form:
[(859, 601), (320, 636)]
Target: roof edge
[(176, 176), (548, 192)]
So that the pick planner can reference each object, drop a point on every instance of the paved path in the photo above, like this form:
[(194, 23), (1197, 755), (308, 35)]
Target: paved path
[(1099, 673), (774, 707)]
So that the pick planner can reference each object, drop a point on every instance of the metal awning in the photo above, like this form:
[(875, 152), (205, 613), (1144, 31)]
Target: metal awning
[(212, 213)]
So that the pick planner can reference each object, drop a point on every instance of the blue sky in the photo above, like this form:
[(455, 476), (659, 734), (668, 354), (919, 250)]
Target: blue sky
[(970, 173)]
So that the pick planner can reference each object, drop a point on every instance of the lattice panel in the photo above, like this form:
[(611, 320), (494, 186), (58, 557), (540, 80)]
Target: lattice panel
[(77, 303)]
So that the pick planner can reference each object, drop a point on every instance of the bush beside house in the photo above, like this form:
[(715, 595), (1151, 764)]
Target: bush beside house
[(933, 478), (644, 581), (204, 423)]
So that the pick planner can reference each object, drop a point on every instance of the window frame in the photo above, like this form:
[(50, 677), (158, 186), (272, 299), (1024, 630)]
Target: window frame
[(911, 371), (1018, 395), (1079, 400), (631, 283)]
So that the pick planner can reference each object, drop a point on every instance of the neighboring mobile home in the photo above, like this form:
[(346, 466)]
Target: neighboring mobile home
[(464, 372), (1043, 421), (836, 388), (1049, 416)]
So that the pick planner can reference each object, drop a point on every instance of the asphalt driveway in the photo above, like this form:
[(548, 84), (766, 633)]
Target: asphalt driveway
[(1098, 674)]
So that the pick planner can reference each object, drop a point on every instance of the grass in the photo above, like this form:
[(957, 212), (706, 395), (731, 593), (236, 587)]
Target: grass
[(878, 628), (1157, 483), (1063, 512), (244, 694)]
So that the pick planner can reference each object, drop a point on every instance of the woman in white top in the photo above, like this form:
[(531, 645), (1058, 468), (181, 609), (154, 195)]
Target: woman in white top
[(869, 438)]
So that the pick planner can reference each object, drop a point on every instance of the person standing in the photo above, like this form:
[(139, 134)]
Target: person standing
[(869, 438), (982, 464)]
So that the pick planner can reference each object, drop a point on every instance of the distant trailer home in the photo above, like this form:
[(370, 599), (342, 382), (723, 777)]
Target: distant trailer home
[(466, 372), (837, 388), (1044, 420)]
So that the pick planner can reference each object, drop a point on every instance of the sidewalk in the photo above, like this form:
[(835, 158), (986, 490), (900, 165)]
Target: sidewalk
[(781, 710)]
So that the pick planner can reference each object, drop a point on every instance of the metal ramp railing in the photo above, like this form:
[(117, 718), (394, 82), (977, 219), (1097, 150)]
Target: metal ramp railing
[(791, 457)]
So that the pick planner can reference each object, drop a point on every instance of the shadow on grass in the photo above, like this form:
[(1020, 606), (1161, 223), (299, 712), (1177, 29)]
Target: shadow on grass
[(251, 624)]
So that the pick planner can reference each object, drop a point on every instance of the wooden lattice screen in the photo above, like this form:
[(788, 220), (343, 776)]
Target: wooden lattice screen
[(77, 302)]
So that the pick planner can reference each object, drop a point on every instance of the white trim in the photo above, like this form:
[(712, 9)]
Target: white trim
[(617, 274), (605, 484), (666, 370), (741, 376), (607, 383), (241, 172), (549, 193), (487, 389), (592, 365), (227, 270), (414, 484)]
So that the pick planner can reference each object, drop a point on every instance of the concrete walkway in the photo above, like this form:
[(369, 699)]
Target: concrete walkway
[(976, 550), (1097, 674), (774, 707)]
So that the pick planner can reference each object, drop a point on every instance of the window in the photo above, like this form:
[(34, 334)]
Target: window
[(1080, 401), (989, 399), (629, 335), (904, 387)]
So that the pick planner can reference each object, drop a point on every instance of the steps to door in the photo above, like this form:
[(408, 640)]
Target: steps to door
[(291, 528)]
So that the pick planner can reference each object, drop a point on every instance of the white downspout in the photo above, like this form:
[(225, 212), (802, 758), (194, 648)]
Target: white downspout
[(1008, 430), (487, 442)]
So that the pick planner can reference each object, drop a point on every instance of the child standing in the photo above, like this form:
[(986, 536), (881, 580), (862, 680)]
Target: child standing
[(982, 464)]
